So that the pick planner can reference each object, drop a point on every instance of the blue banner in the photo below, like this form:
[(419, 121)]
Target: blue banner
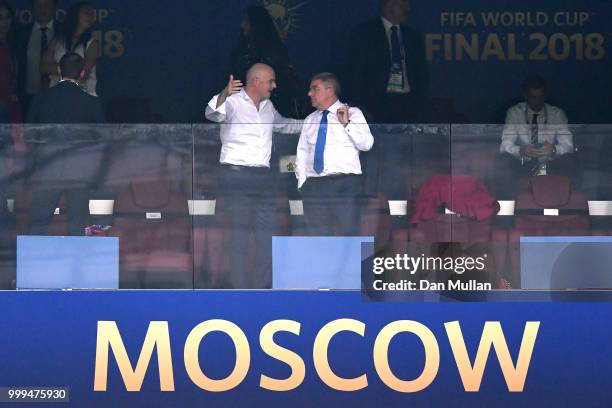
[(320, 349)]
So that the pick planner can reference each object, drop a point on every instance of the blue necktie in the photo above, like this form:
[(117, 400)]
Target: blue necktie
[(319, 164)]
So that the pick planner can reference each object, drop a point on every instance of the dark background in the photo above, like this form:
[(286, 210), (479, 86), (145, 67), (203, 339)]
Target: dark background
[(176, 53)]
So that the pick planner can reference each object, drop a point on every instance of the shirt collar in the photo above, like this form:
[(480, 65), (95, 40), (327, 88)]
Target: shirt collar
[(246, 97), (49, 25), (334, 108), (531, 112), (69, 81), (388, 24)]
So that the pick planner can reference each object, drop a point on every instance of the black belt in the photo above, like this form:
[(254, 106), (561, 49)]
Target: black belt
[(334, 176), (236, 167)]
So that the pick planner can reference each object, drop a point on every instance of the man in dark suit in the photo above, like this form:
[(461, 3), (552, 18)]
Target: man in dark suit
[(67, 157), (33, 41), (387, 73), (67, 102)]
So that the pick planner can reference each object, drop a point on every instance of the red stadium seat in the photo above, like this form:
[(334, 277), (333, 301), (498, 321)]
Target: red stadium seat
[(152, 221), (455, 210), (548, 207)]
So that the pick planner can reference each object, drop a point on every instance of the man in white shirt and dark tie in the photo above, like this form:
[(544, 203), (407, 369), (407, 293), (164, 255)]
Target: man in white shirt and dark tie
[(34, 40), (387, 71), (327, 165), (536, 139), (248, 119)]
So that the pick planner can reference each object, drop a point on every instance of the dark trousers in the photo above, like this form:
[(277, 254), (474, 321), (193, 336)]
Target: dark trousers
[(249, 196), (7, 223), (331, 205), (513, 176), (44, 202), (26, 102)]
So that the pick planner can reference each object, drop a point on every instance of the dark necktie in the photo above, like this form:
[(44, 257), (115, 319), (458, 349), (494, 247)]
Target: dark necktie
[(534, 129), (44, 40), (319, 163), (396, 52), (44, 45)]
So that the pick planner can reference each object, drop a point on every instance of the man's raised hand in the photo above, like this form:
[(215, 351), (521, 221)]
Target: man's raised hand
[(233, 86), (343, 114)]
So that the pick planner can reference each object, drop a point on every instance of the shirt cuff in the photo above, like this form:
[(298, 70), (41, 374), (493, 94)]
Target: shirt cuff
[(349, 128), (301, 181), (213, 105), (515, 151)]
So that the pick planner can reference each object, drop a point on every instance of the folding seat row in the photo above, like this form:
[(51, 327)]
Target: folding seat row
[(162, 245), (463, 213)]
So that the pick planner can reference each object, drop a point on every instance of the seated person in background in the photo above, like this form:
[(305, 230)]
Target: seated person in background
[(536, 139)]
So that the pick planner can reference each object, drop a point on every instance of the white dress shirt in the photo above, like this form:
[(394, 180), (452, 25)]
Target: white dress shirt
[(552, 128), (246, 133), (33, 74), (388, 25), (342, 146)]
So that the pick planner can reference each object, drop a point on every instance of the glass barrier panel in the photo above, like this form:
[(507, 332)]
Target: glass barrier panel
[(177, 217), (130, 184), (251, 210), (523, 196)]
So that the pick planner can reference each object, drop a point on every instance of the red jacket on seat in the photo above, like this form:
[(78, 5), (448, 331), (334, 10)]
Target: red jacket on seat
[(463, 195)]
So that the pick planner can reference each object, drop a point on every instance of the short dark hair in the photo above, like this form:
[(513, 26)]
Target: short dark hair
[(329, 79), (534, 82), (71, 65)]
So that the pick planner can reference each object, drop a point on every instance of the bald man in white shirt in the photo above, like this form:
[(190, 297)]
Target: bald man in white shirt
[(328, 168), (248, 119)]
